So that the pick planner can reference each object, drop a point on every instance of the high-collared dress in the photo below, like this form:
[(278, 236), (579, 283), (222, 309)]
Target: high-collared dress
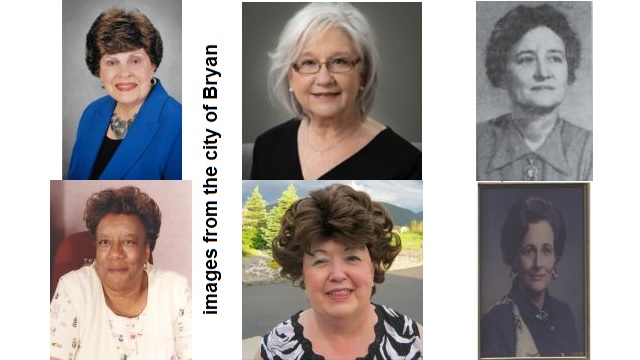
[(151, 150), (503, 155), (516, 327)]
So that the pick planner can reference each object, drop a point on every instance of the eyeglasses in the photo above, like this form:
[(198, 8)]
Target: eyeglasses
[(337, 65)]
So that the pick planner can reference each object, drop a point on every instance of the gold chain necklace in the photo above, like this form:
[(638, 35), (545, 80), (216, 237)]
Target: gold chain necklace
[(332, 146)]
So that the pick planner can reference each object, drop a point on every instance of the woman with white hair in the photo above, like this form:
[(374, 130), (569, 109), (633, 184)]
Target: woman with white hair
[(325, 72)]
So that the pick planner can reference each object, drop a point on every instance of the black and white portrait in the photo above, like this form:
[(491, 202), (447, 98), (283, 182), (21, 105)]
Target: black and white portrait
[(534, 91)]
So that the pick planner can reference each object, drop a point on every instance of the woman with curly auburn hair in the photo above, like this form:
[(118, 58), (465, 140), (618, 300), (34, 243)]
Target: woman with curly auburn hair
[(121, 307), (533, 54), (336, 244), (135, 132)]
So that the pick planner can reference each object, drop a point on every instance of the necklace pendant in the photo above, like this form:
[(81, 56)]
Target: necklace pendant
[(531, 171), (119, 126)]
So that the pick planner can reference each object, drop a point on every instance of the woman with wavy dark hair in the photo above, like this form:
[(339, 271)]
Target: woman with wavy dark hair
[(336, 244), (533, 54), (121, 306), (529, 322), (135, 131)]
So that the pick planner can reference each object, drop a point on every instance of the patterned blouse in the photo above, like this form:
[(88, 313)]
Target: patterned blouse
[(397, 337)]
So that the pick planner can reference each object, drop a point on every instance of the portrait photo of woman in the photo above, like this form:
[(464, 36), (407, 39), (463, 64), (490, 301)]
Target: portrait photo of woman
[(337, 245), (334, 69), (132, 127), (533, 91), (121, 270), (533, 271)]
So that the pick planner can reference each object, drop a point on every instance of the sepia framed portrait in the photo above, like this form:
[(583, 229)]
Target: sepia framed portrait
[(533, 257)]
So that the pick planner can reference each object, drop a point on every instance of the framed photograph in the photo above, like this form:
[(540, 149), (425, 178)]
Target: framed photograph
[(533, 245)]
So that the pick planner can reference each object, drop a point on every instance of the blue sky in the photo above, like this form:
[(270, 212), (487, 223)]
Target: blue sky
[(405, 193)]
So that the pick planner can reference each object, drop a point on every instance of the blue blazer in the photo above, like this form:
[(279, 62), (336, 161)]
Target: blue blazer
[(152, 149)]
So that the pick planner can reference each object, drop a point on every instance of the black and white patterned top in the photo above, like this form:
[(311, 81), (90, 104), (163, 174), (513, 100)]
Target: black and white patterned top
[(397, 337)]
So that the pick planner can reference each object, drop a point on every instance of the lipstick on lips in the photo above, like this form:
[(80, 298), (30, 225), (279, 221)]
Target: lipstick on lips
[(339, 294), (326, 95), (537, 277), (128, 86)]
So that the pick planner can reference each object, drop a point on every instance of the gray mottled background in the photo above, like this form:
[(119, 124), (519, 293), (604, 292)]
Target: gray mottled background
[(495, 279), (398, 27), (578, 105), (80, 87)]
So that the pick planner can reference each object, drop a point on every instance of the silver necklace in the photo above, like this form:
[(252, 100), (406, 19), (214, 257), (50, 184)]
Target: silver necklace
[(119, 126), (332, 146)]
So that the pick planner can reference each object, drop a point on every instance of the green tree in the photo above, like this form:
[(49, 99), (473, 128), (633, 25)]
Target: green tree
[(255, 217), (289, 196), (415, 227)]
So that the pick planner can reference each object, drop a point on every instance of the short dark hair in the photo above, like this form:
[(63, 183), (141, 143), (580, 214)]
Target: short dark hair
[(528, 211), (127, 200), (341, 213), (515, 24), (117, 30)]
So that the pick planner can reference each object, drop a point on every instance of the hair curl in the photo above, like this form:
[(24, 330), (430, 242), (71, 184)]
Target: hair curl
[(310, 21), (117, 30), (127, 200), (339, 213), (528, 211), (515, 24)]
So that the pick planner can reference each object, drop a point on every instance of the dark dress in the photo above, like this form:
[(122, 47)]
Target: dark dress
[(397, 337), (386, 157), (553, 328)]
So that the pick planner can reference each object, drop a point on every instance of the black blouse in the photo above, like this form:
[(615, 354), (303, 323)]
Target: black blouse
[(387, 157)]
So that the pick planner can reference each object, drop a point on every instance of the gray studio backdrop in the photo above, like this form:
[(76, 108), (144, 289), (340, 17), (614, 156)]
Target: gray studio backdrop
[(398, 28), (578, 105), (80, 87), (495, 278)]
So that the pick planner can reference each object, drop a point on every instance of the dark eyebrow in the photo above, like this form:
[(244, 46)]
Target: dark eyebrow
[(555, 51), (525, 52)]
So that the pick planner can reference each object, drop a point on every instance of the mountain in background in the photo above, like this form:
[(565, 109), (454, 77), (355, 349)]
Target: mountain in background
[(400, 215)]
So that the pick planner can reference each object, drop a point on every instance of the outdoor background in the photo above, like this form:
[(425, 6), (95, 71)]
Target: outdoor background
[(269, 300)]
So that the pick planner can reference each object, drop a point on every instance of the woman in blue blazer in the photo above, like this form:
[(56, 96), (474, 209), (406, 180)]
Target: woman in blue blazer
[(136, 131)]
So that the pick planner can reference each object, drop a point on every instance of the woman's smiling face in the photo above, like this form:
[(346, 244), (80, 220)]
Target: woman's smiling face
[(338, 281), (536, 258), (536, 71), (328, 94), (127, 76)]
